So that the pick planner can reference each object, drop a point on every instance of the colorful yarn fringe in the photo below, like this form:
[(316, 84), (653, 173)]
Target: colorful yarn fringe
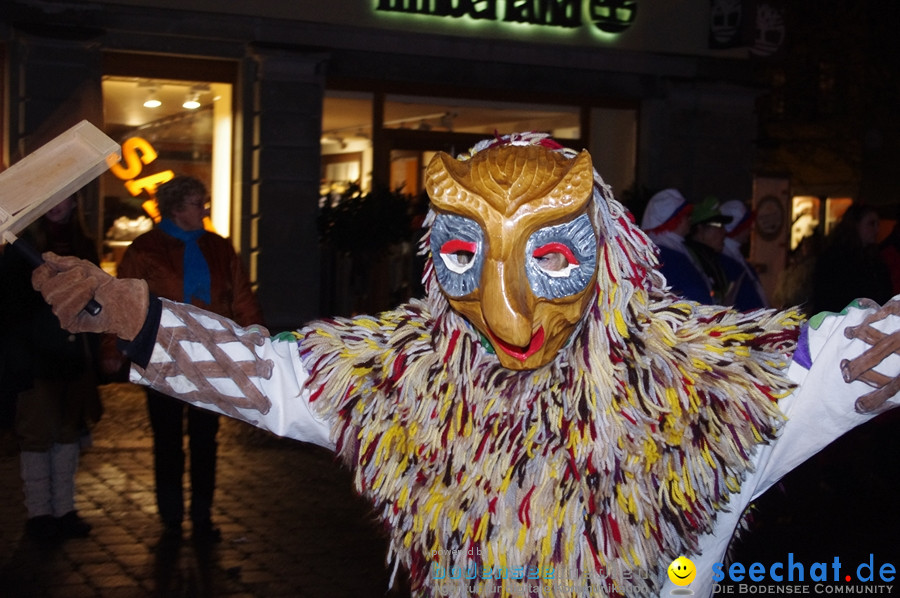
[(601, 467)]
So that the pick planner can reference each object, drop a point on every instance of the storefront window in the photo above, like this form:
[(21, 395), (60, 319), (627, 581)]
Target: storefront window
[(165, 127), (375, 148), (834, 211), (346, 144), (479, 116), (805, 214), (417, 126)]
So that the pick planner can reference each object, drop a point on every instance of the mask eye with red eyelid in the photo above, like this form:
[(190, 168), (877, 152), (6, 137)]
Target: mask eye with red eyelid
[(457, 246), (458, 255), (561, 259), (556, 259)]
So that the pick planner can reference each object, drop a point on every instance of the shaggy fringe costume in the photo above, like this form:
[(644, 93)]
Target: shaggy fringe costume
[(595, 470)]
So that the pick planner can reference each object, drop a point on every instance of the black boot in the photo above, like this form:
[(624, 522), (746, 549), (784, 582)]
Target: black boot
[(71, 525), (205, 532), (42, 527)]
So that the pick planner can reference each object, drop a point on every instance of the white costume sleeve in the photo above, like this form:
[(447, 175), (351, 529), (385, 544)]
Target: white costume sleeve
[(820, 409), (210, 362)]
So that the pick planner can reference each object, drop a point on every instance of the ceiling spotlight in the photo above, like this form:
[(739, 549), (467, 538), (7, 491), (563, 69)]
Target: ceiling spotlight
[(152, 101), (192, 102)]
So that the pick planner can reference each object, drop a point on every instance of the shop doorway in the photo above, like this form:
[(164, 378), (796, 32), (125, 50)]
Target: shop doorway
[(168, 123)]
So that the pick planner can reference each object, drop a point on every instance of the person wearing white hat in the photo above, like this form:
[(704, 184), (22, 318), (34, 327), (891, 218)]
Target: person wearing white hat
[(737, 235), (667, 221)]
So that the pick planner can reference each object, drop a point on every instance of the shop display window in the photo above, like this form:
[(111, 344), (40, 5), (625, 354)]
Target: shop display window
[(165, 127), (834, 211)]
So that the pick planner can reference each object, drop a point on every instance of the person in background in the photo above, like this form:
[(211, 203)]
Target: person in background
[(890, 254), (10, 367), (667, 221), (850, 265), (54, 375), (706, 242), (182, 261), (737, 237), (795, 283)]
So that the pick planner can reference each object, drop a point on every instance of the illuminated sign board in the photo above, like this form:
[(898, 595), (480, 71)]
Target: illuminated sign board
[(607, 16)]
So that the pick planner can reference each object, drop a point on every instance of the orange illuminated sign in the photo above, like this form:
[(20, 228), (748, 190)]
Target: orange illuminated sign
[(137, 153)]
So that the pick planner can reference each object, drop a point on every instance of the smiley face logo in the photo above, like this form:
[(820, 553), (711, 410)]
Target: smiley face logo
[(682, 571)]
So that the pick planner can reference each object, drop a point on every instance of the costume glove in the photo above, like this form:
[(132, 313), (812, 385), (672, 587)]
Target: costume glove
[(68, 283), (884, 346)]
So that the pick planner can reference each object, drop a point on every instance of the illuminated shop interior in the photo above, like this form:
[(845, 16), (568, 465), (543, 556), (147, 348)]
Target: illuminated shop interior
[(165, 127), (347, 125)]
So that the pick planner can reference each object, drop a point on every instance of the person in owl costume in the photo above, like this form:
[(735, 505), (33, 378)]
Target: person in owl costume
[(549, 420)]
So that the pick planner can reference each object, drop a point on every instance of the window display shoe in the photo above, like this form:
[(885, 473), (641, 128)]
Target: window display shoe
[(71, 525)]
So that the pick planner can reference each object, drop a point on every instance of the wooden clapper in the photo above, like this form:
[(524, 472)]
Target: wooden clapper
[(53, 172)]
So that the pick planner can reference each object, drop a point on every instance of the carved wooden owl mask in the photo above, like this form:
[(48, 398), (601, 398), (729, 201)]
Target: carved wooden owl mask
[(513, 246)]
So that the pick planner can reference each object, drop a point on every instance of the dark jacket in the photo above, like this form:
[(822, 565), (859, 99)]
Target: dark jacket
[(35, 345), (42, 363), (843, 274), (158, 258)]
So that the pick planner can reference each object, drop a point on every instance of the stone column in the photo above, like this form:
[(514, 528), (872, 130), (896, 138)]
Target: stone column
[(286, 123), (55, 83)]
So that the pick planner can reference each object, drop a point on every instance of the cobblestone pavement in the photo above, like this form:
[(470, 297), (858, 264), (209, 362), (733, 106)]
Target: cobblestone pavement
[(291, 524)]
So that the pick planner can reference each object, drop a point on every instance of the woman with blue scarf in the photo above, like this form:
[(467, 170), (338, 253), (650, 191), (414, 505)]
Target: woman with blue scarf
[(182, 261)]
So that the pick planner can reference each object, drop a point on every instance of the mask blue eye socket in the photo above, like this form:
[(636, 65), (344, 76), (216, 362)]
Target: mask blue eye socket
[(457, 249), (561, 259)]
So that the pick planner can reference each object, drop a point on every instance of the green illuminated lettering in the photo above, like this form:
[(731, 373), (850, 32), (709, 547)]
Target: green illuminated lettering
[(487, 10), (477, 9), (400, 5), (559, 13), (412, 6), (612, 16)]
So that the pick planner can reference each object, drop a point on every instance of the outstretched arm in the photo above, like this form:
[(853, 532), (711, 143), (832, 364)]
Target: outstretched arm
[(846, 371), (186, 352)]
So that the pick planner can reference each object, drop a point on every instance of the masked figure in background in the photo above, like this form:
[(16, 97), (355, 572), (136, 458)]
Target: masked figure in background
[(550, 417)]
